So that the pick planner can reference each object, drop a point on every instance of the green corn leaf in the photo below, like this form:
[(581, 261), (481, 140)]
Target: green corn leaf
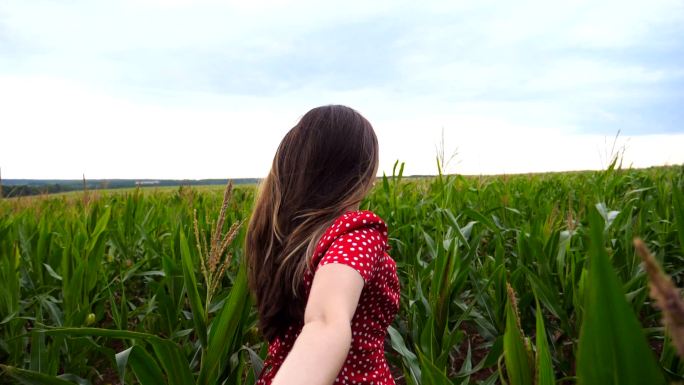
[(612, 347), (544, 375), (100, 227), (175, 364), (168, 353), (38, 353), (548, 297), (38, 349), (385, 184), (198, 314), (29, 377), (494, 353), (98, 332), (476, 215), (74, 378), (678, 206), (431, 374), (225, 330), (428, 339), (516, 355), (52, 272), (254, 360), (407, 356), (143, 364)]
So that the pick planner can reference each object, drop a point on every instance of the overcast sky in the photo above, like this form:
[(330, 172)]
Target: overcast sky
[(207, 89)]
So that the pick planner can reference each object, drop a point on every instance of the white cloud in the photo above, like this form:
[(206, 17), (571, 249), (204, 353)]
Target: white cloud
[(199, 89)]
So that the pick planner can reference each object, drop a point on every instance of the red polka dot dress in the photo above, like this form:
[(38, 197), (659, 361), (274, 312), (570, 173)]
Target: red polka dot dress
[(357, 239)]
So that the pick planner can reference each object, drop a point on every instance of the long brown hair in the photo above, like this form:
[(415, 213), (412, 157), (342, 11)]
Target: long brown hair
[(325, 165)]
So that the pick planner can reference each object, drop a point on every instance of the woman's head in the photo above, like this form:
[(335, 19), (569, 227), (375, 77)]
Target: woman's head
[(324, 166)]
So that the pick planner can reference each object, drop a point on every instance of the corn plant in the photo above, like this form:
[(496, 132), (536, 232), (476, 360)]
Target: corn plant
[(509, 278)]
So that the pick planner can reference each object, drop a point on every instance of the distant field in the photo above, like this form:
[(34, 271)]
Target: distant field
[(154, 189), (115, 280), (144, 190), (12, 188)]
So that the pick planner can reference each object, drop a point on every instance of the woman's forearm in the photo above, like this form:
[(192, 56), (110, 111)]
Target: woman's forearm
[(317, 355)]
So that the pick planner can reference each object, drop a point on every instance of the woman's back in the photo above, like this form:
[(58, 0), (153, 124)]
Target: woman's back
[(357, 239), (323, 284)]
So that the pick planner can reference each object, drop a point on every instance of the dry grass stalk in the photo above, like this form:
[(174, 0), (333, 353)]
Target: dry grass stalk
[(212, 266), (228, 239), (230, 235), (199, 246), (216, 238), (514, 304), (666, 295)]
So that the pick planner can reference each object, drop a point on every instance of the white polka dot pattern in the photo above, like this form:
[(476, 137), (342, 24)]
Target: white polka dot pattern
[(357, 239)]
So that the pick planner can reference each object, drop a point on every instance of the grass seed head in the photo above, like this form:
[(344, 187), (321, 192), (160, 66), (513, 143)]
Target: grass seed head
[(666, 295)]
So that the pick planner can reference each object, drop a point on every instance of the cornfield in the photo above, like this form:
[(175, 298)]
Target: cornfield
[(520, 280)]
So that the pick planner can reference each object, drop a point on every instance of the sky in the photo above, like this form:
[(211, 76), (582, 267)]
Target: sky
[(197, 89)]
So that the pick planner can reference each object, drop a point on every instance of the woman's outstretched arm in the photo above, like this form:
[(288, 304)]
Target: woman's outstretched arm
[(319, 351)]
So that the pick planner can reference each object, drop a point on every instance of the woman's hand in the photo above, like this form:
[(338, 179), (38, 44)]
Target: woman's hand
[(319, 351)]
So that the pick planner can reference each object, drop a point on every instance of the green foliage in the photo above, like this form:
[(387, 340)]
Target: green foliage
[(115, 281), (517, 353), (612, 347), (198, 314), (544, 365)]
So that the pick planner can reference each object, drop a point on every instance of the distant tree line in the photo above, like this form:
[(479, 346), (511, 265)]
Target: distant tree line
[(26, 190), (26, 187)]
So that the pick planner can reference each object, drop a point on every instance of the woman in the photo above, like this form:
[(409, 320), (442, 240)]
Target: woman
[(325, 288)]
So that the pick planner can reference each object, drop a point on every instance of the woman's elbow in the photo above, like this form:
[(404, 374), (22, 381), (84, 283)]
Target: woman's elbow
[(335, 329)]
